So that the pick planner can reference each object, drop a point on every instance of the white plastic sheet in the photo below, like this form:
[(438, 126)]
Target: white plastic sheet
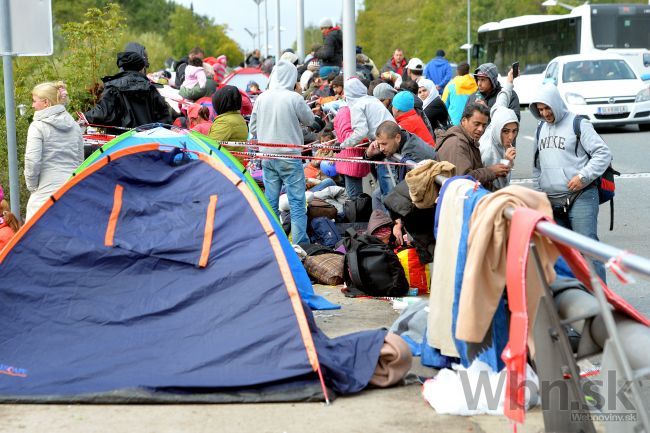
[(476, 390)]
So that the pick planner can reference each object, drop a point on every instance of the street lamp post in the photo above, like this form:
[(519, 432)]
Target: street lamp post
[(259, 37), (349, 40), (551, 3), (278, 49), (469, 33), (300, 24), (266, 29)]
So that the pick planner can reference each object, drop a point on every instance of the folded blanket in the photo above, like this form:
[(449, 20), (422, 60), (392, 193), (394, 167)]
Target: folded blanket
[(394, 362)]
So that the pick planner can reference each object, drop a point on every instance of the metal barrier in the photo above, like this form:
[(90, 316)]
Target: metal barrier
[(624, 343)]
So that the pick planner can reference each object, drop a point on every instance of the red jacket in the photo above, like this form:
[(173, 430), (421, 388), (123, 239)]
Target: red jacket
[(6, 233), (413, 123)]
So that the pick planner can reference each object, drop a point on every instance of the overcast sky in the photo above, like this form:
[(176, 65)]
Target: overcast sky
[(240, 14)]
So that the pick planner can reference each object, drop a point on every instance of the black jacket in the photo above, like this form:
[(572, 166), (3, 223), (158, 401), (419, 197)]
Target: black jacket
[(180, 71), (253, 62), (492, 98), (437, 114), (331, 53), (417, 222), (129, 100)]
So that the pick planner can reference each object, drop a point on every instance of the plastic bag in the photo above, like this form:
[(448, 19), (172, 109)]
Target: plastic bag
[(476, 390)]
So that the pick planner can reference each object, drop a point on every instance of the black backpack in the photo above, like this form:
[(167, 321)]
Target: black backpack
[(371, 267), (359, 209), (605, 182)]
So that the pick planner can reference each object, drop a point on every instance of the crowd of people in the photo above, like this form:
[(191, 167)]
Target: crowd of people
[(406, 112)]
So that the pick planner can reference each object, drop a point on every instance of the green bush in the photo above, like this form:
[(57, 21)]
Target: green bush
[(86, 45)]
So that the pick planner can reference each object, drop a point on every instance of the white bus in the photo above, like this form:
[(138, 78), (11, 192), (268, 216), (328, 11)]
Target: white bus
[(533, 40)]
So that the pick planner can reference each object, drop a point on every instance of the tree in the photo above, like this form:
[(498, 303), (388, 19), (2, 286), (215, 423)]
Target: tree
[(188, 30), (313, 38)]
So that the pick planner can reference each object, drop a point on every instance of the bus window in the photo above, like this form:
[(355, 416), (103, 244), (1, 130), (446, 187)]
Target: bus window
[(620, 26)]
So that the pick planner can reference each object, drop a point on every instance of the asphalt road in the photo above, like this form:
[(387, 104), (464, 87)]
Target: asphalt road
[(630, 149)]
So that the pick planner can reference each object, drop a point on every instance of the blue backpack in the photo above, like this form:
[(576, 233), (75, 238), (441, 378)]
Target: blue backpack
[(324, 232)]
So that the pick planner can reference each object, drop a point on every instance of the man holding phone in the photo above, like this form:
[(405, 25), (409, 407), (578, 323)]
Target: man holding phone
[(486, 77)]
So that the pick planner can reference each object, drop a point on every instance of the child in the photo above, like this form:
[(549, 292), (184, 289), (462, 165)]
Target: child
[(9, 224), (193, 87), (252, 88), (199, 119), (316, 179)]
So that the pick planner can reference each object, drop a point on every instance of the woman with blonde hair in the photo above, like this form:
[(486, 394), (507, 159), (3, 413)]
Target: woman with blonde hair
[(54, 145)]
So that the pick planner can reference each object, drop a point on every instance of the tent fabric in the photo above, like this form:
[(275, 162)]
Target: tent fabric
[(201, 144), (102, 297)]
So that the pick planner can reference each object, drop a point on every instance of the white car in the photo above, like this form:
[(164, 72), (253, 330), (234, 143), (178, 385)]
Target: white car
[(603, 87)]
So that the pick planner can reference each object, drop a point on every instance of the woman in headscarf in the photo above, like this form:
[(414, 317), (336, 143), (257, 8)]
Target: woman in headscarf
[(434, 107), (229, 125)]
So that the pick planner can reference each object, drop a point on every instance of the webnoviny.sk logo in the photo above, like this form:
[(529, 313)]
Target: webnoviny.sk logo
[(12, 371)]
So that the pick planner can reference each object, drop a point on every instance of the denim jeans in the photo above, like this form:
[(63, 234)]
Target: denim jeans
[(325, 183), (353, 186), (385, 180), (378, 200), (289, 173), (583, 219)]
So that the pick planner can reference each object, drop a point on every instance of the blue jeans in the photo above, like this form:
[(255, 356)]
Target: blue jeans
[(353, 186), (583, 219), (385, 180), (378, 201), (325, 183), (289, 173)]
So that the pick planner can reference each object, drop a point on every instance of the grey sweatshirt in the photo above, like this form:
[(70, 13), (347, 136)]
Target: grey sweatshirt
[(492, 150), (366, 112), (557, 162), (279, 111)]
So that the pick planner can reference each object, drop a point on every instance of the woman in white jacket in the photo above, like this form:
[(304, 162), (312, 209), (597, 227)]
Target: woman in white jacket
[(54, 145)]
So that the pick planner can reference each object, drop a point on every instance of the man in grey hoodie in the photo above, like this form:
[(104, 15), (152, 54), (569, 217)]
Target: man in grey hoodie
[(276, 118), (565, 169)]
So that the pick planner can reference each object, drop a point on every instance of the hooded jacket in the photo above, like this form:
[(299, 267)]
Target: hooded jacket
[(439, 71), (490, 69), (140, 49), (54, 150), (331, 53), (179, 69), (129, 100), (278, 112), (413, 123), (458, 148), (456, 94), (558, 160), (366, 112), (492, 150)]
